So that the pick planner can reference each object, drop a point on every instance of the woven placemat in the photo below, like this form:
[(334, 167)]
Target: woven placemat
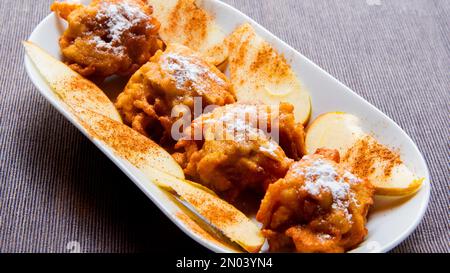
[(59, 193)]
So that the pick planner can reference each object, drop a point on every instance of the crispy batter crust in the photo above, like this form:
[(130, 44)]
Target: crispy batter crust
[(317, 207), (171, 78), (108, 37), (248, 159)]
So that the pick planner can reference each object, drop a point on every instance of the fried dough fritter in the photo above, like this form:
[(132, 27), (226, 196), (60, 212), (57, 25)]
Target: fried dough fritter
[(234, 154), (171, 78), (318, 207), (108, 37)]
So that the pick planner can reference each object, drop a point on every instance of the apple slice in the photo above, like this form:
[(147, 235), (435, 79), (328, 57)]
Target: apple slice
[(333, 130), (159, 166), (69, 86), (184, 22), (259, 73), (193, 222), (139, 150), (222, 215), (362, 154)]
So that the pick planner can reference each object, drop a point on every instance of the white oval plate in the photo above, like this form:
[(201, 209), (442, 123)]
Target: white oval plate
[(391, 219)]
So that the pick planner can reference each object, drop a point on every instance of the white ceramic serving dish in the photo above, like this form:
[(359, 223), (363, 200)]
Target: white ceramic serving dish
[(391, 219)]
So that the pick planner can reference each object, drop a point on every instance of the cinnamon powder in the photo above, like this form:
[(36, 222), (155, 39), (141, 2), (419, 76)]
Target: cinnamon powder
[(365, 153)]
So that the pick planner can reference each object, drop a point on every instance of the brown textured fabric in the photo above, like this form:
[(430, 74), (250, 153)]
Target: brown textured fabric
[(56, 187)]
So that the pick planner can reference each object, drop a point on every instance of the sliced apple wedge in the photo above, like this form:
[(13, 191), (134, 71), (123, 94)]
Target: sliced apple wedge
[(193, 222), (184, 22), (362, 154), (258, 72), (69, 86), (140, 151), (222, 215), (160, 168), (334, 130), (382, 167)]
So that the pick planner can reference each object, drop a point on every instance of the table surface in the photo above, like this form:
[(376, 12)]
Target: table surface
[(59, 193)]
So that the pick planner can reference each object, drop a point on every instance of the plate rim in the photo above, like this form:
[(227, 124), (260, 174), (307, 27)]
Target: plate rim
[(385, 248)]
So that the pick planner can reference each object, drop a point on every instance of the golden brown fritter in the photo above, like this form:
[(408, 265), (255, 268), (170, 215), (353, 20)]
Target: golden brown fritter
[(234, 152), (318, 207), (291, 134), (108, 37), (171, 78)]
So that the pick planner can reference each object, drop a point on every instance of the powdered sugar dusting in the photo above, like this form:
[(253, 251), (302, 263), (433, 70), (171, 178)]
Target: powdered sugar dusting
[(233, 121), (118, 18), (269, 148), (324, 237), (239, 122), (189, 73), (321, 175), (352, 179)]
